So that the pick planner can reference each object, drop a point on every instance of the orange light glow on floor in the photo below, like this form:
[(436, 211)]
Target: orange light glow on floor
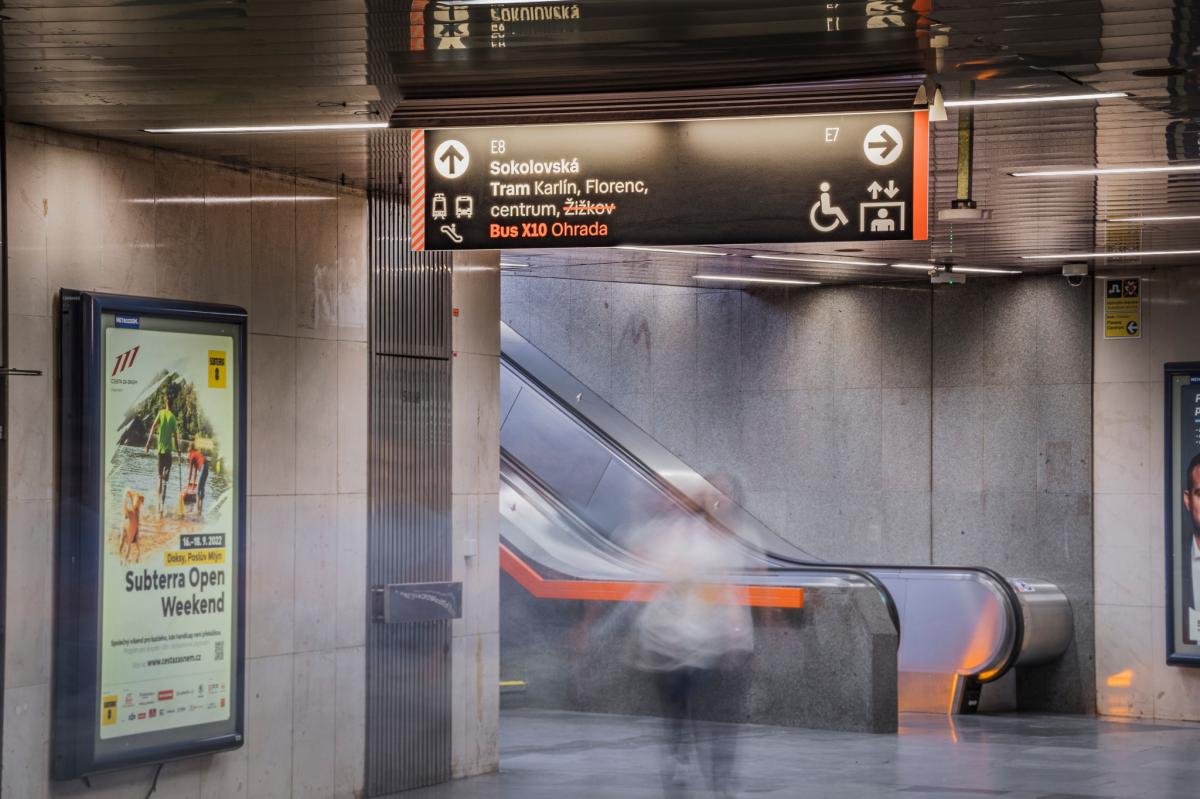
[(1122, 679)]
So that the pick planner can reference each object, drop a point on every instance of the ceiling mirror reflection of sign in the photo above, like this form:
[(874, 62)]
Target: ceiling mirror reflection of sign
[(850, 177), (1123, 307), (885, 14)]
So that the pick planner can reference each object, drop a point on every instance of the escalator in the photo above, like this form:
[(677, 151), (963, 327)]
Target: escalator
[(578, 481)]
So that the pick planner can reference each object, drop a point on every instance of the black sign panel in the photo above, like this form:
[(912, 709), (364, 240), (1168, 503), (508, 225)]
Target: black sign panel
[(850, 177)]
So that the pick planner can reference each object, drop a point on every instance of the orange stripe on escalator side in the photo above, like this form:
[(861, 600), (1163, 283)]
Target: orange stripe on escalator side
[(756, 596)]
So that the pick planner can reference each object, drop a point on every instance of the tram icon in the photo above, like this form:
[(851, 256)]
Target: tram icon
[(440, 208)]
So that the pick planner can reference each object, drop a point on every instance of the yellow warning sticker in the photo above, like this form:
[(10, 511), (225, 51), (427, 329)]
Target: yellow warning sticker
[(217, 369), (1123, 307), (108, 710)]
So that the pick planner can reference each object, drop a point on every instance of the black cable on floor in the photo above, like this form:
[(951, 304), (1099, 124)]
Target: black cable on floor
[(154, 785)]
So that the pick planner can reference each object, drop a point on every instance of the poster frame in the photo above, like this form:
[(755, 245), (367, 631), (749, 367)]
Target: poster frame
[(1170, 371), (78, 558)]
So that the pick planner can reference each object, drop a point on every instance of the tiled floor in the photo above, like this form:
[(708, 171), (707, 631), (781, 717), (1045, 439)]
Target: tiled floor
[(553, 755)]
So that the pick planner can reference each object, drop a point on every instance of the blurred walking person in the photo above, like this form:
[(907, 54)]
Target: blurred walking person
[(695, 636)]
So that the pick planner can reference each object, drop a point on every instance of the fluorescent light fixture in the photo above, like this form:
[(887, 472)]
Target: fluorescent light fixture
[(1189, 218), (773, 280), (669, 250), (808, 260), (979, 270), (1046, 98), (262, 198), (922, 267), (508, 265), (1135, 254), (333, 126), (1118, 170)]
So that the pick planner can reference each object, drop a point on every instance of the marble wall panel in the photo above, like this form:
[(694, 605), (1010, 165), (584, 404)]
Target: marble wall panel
[(269, 727), (314, 724), (28, 209), (273, 250), (316, 568), (352, 266), (179, 227), (129, 251), (228, 229), (316, 214), (99, 215), (316, 431), (273, 403)]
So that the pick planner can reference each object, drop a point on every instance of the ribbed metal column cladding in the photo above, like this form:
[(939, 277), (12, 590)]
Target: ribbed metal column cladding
[(409, 534)]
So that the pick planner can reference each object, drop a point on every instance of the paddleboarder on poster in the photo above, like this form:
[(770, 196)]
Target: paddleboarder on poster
[(164, 433)]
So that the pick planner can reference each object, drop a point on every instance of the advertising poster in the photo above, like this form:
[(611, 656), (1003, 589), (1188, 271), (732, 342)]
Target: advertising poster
[(168, 523), (1183, 513), (149, 611)]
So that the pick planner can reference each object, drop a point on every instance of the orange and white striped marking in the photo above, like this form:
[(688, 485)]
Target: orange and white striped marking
[(416, 191)]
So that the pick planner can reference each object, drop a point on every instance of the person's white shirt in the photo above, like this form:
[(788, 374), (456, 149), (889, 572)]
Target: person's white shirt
[(696, 616)]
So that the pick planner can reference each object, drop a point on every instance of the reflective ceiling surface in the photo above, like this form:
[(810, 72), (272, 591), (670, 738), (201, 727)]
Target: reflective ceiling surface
[(116, 67)]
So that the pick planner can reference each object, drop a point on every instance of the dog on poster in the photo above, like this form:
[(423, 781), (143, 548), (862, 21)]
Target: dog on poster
[(133, 524)]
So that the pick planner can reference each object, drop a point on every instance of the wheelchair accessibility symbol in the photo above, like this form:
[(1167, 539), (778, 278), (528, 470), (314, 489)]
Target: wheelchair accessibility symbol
[(824, 208)]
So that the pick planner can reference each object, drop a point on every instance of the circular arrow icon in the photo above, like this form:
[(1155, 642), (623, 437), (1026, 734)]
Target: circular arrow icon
[(883, 145), (451, 159)]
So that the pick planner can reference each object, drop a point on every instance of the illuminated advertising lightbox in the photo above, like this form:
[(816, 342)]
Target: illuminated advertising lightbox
[(1182, 470), (151, 554)]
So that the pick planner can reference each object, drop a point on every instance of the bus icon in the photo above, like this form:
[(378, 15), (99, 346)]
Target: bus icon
[(464, 207)]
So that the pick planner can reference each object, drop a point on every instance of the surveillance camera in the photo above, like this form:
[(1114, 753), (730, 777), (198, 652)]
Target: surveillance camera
[(1075, 272)]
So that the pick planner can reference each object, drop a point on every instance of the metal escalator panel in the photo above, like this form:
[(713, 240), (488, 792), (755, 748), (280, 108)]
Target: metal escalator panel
[(553, 446), (574, 464), (952, 620)]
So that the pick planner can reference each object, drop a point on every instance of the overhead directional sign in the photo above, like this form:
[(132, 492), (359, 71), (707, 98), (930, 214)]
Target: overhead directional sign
[(850, 177)]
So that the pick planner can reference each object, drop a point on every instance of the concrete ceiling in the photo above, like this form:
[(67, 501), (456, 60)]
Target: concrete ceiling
[(113, 68)]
